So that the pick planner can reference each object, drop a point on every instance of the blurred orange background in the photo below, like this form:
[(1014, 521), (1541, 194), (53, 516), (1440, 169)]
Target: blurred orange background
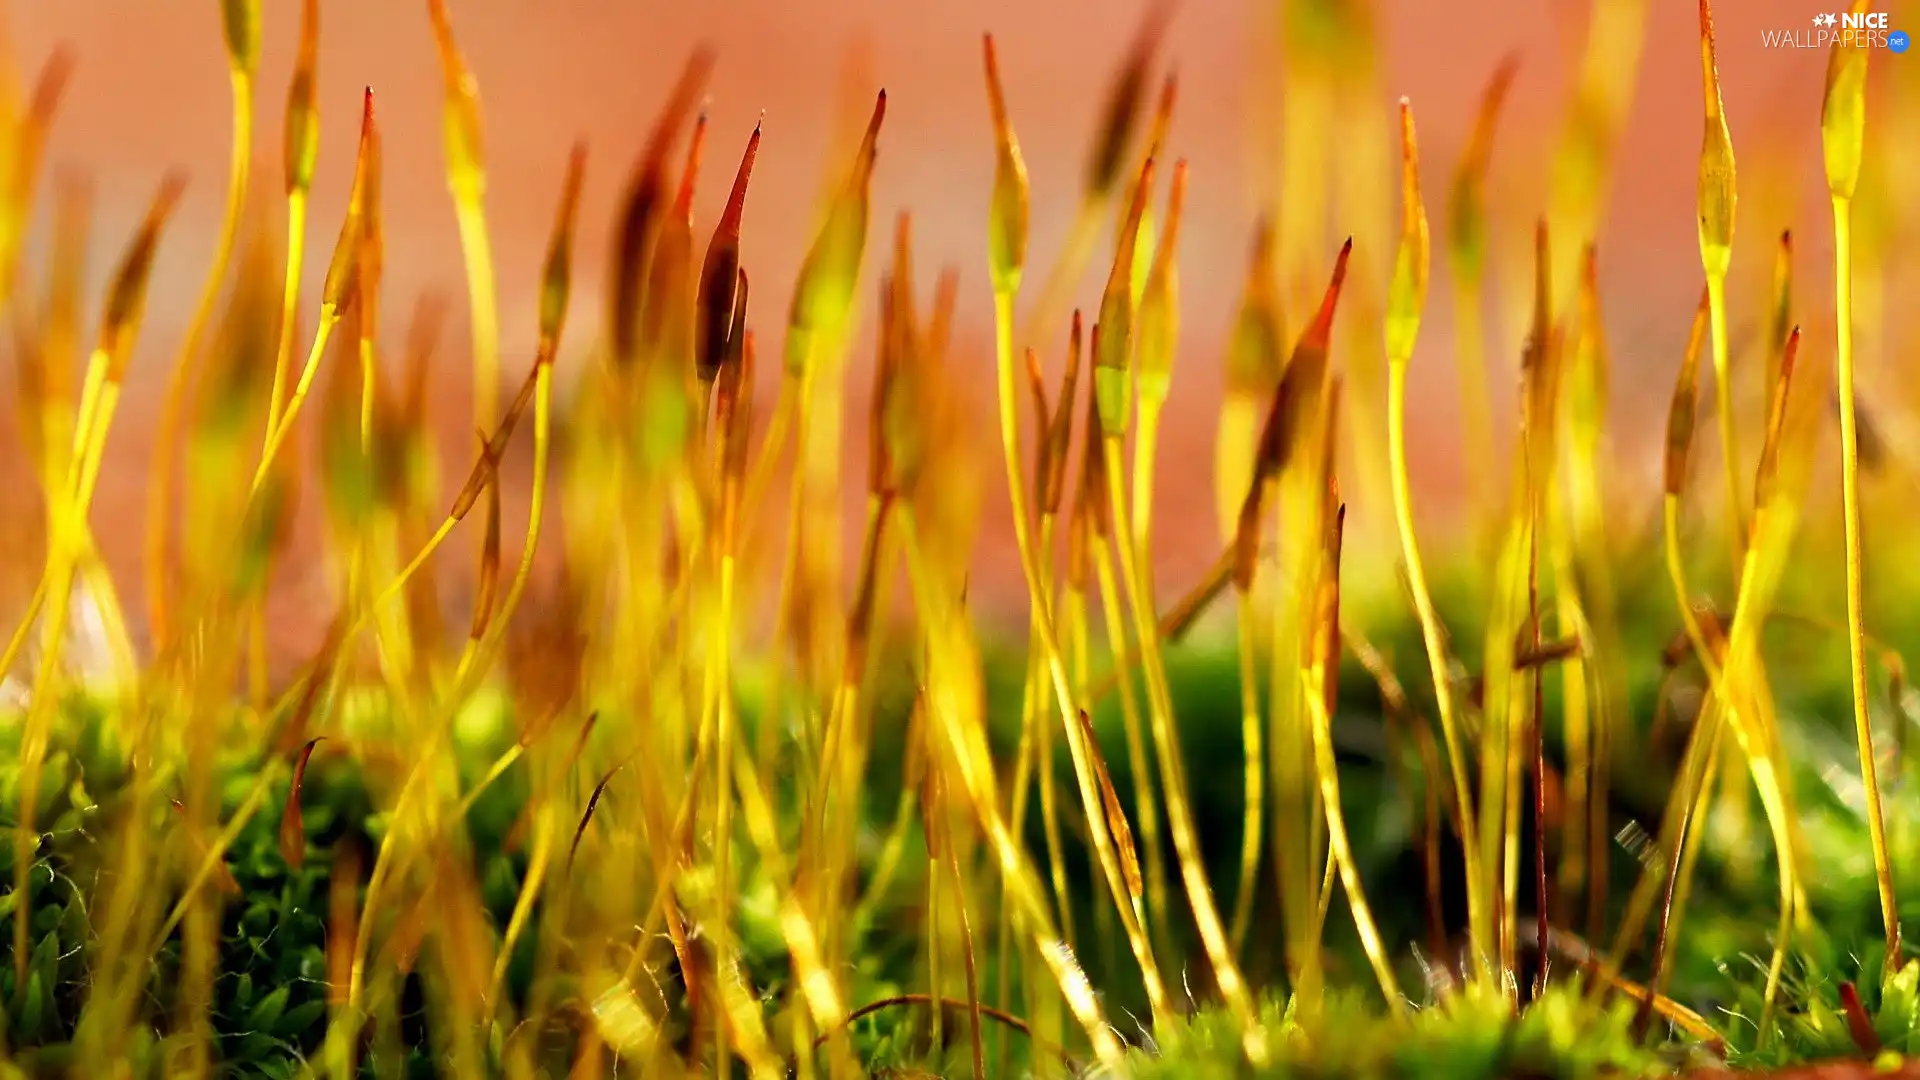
[(150, 92)]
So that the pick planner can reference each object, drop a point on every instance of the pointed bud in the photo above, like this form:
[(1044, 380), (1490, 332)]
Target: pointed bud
[(556, 281), (1407, 295), (1122, 113), (1767, 480), (1112, 374), (823, 293), (1685, 403), (338, 288), (1843, 110), (127, 295), (302, 146), (640, 211), (1009, 210), (1466, 212), (720, 272), (1160, 304), (1717, 194), (293, 832), (460, 121), (241, 20)]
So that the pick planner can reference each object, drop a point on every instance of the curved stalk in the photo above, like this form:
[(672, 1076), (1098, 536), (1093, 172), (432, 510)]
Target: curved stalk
[(166, 441)]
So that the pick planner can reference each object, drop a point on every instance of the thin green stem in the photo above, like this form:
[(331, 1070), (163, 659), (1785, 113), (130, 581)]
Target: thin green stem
[(1856, 599), (1434, 635)]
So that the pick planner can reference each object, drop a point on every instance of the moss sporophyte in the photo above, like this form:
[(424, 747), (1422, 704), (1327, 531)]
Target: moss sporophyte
[(1590, 806)]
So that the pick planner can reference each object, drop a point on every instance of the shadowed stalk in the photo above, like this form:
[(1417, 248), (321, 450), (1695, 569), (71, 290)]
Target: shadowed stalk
[(971, 972), (1717, 197), (1158, 348), (1503, 760), (1405, 305), (1256, 355), (1843, 121), (1585, 604), (1321, 685), (1246, 551), (1781, 322), (463, 140), (241, 21), (1466, 221)]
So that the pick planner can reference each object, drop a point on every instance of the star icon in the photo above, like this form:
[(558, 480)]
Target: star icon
[(1831, 19), (1819, 20)]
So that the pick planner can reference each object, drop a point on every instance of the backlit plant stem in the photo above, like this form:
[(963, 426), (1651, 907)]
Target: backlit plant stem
[(1404, 310), (1856, 588), (1843, 120), (173, 407)]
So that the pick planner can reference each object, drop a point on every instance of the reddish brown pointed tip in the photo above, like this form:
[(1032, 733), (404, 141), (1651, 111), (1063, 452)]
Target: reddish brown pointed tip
[(737, 198), (1786, 239), (996, 93), (1169, 95), (683, 199), (366, 110), (1320, 333), (879, 115)]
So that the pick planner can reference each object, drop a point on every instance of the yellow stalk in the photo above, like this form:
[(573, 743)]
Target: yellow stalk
[(1404, 309), (1843, 121), (954, 699), (1186, 842), (340, 288), (160, 506), (467, 182), (1145, 801), (1254, 778), (1717, 198), (1320, 678)]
